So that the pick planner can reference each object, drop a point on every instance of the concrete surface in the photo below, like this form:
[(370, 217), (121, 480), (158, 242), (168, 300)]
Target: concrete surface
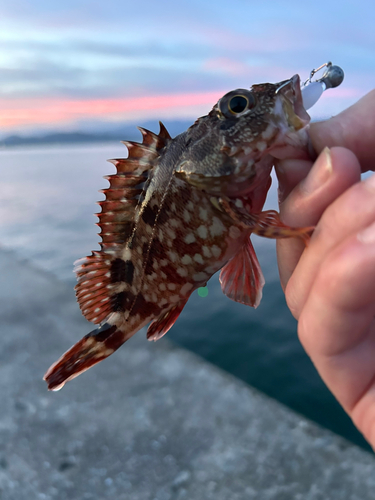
[(153, 422)]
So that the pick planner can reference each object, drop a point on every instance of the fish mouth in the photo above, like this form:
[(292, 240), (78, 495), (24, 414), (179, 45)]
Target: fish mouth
[(289, 106), (291, 119)]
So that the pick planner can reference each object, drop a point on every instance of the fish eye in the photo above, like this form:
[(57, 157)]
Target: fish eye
[(236, 102)]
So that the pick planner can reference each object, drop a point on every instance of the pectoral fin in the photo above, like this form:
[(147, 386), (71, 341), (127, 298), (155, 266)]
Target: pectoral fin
[(267, 224)]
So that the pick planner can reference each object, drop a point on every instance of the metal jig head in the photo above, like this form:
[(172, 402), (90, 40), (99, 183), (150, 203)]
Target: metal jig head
[(312, 90)]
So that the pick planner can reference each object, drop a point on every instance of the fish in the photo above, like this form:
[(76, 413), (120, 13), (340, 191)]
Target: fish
[(180, 209)]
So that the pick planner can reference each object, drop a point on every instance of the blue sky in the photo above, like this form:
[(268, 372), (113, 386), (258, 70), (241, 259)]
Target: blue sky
[(73, 64)]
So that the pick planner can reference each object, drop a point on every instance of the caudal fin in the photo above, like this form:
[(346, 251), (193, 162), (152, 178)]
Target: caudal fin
[(93, 348)]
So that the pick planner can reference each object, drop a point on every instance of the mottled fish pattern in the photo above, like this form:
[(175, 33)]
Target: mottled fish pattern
[(179, 210)]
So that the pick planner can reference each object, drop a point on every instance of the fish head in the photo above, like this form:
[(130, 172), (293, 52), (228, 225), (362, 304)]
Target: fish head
[(232, 149)]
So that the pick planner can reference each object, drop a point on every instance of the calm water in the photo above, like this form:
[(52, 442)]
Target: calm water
[(47, 200)]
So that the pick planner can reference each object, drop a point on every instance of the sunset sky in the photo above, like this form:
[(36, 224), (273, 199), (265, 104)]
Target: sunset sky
[(82, 64)]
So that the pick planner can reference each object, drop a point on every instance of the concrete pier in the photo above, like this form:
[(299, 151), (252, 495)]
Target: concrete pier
[(153, 422)]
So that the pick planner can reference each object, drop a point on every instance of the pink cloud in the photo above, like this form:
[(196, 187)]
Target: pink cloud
[(21, 112), (49, 112)]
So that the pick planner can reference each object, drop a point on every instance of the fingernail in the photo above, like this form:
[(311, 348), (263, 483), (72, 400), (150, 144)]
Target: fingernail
[(370, 182), (367, 235), (320, 173)]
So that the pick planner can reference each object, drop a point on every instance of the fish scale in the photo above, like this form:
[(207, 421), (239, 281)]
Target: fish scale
[(179, 210)]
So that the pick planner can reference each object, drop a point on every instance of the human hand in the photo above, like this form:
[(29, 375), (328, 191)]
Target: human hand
[(330, 285)]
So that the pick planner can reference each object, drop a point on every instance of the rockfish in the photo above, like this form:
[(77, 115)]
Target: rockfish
[(179, 210)]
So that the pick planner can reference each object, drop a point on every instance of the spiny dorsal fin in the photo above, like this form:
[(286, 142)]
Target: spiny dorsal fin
[(158, 141), (163, 133), (116, 222), (124, 193)]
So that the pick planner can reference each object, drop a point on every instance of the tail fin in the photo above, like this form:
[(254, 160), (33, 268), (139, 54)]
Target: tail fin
[(93, 348)]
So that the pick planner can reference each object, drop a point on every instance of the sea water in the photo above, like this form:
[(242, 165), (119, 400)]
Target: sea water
[(47, 201)]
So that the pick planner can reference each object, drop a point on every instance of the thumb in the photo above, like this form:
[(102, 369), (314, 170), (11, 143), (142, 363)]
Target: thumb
[(353, 129)]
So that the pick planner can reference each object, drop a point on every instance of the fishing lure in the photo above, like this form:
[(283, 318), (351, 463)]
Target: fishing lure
[(179, 210)]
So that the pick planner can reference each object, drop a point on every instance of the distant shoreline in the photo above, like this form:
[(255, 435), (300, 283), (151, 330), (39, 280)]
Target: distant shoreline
[(57, 139), (120, 133), (127, 132)]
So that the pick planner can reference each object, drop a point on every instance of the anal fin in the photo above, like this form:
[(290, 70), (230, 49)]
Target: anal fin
[(159, 327), (241, 278)]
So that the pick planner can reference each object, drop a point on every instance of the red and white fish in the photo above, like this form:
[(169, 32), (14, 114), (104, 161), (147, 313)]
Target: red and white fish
[(179, 210)]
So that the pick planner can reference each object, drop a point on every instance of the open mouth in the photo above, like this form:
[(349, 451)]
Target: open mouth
[(292, 104), (291, 119)]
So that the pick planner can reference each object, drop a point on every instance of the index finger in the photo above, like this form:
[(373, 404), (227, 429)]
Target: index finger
[(353, 128)]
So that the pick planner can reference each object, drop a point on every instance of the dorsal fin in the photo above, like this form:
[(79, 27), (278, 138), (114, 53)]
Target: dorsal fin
[(163, 133), (116, 222)]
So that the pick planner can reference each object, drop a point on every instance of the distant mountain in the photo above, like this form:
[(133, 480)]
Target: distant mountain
[(119, 133)]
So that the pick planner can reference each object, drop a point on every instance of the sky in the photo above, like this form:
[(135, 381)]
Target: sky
[(85, 64)]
